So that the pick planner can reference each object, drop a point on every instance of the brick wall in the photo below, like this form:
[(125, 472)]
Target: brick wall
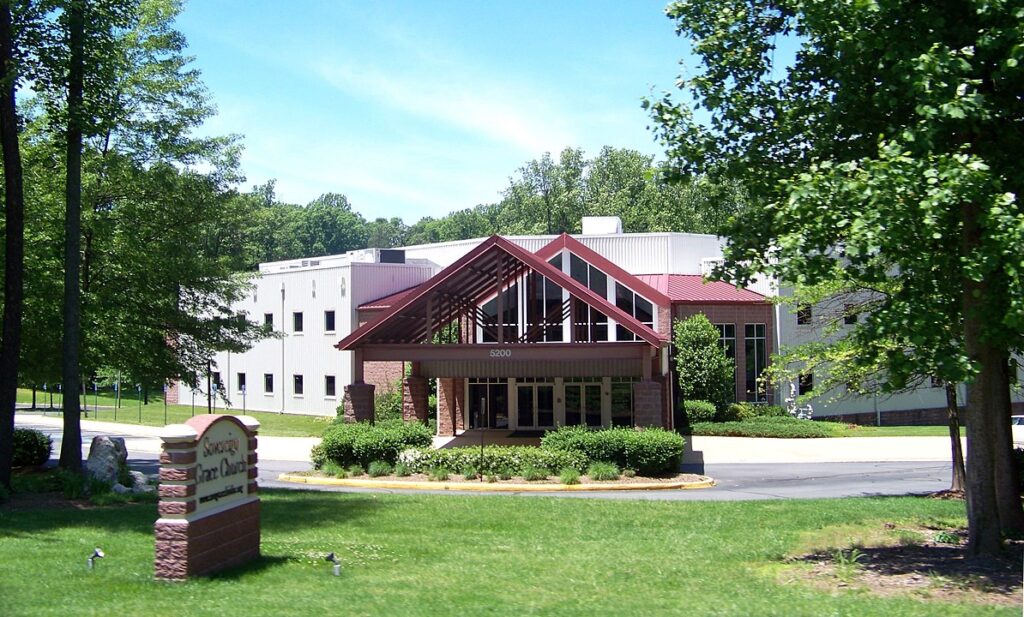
[(173, 393), (384, 375), (450, 406)]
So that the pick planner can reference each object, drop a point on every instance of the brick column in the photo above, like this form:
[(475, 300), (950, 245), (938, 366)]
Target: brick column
[(449, 406), (647, 404), (415, 399), (358, 402)]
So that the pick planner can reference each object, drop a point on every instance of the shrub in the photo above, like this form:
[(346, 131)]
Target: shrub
[(779, 427), (362, 443), (505, 473), (649, 451), (492, 478), (629, 473), (388, 403), (748, 411), (470, 472), (569, 476), (331, 468), (378, 469), (356, 470), (699, 411), (438, 474), (534, 474), (31, 448), (703, 369), (497, 459), (402, 470), (601, 471)]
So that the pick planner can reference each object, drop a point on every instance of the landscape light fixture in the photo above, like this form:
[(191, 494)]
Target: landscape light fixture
[(334, 560), (97, 553)]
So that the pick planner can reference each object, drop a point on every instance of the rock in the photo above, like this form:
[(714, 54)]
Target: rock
[(120, 489), (139, 481), (106, 455)]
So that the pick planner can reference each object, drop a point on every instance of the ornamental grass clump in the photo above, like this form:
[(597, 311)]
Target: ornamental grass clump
[(438, 474), (402, 470), (603, 472), (378, 469), (534, 474), (569, 476)]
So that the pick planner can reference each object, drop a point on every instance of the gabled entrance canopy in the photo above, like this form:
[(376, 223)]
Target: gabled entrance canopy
[(457, 291)]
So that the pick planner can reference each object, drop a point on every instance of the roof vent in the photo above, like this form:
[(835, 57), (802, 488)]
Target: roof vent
[(392, 256), (602, 225)]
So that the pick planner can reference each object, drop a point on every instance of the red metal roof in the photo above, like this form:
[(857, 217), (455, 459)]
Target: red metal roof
[(386, 301), (692, 289)]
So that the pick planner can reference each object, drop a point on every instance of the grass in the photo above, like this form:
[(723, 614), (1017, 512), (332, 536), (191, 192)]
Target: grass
[(785, 427), (276, 424), (500, 555)]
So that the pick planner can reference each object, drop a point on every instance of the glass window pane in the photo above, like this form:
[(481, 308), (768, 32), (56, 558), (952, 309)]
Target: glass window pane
[(592, 401), (622, 404), (644, 311), (624, 298), (573, 404), (577, 269), (598, 282)]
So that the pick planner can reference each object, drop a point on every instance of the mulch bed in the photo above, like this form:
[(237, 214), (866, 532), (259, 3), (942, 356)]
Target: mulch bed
[(929, 570), (418, 477)]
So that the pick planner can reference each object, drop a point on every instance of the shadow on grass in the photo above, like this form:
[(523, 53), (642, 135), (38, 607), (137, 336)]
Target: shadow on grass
[(282, 510), (256, 566)]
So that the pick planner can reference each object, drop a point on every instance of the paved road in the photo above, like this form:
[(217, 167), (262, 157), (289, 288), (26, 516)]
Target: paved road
[(736, 481)]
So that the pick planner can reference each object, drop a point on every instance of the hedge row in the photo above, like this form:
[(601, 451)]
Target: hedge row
[(363, 443), (496, 460), (649, 451), (781, 427), (703, 411)]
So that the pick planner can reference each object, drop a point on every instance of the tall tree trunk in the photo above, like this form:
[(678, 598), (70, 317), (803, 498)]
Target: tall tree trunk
[(953, 415), (14, 245), (1011, 515), (71, 446), (983, 401)]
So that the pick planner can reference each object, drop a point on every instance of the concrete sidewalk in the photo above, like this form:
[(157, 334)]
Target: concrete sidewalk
[(699, 450)]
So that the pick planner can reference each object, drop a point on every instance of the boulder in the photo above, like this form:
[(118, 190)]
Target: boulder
[(120, 489), (139, 482), (106, 455)]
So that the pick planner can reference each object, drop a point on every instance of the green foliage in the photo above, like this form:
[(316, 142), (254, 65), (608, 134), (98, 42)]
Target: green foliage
[(355, 470), (704, 371), (31, 448), (569, 476), (388, 403), (331, 468), (402, 470), (748, 411), (947, 537), (629, 473), (770, 426), (500, 460), (438, 474), (469, 472), (603, 472), (699, 411), (531, 473), (650, 451), (364, 443), (377, 469)]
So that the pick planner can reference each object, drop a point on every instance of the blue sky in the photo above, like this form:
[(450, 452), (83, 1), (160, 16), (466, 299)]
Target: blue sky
[(421, 108)]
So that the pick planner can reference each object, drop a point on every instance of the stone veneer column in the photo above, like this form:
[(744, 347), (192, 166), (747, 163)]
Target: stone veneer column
[(188, 544), (358, 402), (647, 404), (415, 399)]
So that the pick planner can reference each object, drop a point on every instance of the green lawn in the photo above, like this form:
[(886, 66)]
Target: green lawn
[(280, 425), (463, 555), (897, 431)]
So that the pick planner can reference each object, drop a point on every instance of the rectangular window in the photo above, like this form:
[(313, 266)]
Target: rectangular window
[(268, 320), (849, 315), (806, 383), (297, 385), (328, 321), (217, 385), (543, 310), (268, 383), (330, 389), (509, 318), (727, 336), (240, 379), (622, 402), (297, 322), (634, 305), (803, 315), (756, 346)]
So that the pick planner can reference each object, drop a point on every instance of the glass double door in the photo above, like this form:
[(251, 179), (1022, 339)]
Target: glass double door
[(488, 404), (535, 404), (583, 404)]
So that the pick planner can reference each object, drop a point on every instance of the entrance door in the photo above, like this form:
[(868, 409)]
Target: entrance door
[(488, 404), (583, 404), (536, 405)]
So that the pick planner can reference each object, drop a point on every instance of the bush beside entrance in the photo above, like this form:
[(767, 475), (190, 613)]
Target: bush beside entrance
[(362, 443), (650, 451)]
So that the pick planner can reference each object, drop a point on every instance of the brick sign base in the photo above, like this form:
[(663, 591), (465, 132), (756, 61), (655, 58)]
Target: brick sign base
[(209, 507)]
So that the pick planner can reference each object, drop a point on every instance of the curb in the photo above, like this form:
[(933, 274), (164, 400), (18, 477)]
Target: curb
[(493, 488)]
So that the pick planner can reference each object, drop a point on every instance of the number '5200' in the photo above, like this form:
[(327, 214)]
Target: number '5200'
[(501, 353)]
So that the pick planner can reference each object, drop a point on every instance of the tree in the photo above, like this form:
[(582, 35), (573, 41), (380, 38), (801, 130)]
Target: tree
[(886, 150), (14, 241), (703, 370)]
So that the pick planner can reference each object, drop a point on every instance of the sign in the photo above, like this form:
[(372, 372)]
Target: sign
[(221, 466)]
